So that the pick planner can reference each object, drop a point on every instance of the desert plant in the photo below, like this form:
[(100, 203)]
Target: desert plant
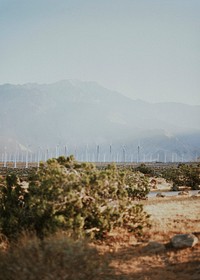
[(76, 197), (143, 168), (13, 197), (184, 175)]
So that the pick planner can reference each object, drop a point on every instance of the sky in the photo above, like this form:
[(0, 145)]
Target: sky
[(145, 49)]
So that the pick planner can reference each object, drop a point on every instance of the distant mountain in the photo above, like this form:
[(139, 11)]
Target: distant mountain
[(84, 114)]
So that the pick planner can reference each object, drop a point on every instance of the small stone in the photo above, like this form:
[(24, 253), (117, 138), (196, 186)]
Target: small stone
[(181, 241), (160, 195), (183, 193)]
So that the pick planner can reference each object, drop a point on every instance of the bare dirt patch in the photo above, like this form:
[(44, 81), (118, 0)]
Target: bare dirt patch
[(130, 259)]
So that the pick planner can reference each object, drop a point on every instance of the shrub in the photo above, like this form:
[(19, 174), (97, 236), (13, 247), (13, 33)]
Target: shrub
[(76, 197), (145, 169), (183, 175), (13, 215)]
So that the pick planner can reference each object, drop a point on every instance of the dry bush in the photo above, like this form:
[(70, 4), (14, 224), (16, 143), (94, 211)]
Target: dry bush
[(58, 257)]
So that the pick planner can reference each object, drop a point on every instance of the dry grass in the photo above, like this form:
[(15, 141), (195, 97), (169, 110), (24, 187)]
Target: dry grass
[(120, 256), (58, 257), (174, 215)]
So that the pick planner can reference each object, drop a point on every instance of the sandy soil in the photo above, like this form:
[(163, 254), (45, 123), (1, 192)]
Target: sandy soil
[(173, 215), (131, 259)]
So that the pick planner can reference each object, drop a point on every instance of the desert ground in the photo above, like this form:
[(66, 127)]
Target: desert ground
[(123, 256), (153, 257)]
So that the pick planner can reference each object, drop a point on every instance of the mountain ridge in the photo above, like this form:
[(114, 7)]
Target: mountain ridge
[(80, 113)]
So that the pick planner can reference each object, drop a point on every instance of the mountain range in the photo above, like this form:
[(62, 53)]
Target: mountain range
[(85, 117)]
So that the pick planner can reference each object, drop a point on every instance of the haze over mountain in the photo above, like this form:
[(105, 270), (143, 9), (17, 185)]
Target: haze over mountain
[(80, 114)]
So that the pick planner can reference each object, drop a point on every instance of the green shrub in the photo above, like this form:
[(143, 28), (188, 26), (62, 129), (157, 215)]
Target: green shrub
[(143, 168), (76, 197), (184, 175), (13, 215)]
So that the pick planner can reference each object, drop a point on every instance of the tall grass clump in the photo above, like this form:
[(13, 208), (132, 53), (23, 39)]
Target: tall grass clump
[(58, 257)]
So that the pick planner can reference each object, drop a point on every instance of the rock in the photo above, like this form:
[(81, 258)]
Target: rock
[(160, 195), (183, 193), (181, 241), (154, 247)]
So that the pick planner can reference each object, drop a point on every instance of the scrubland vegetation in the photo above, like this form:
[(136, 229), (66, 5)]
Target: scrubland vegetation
[(70, 220), (76, 197), (187, 175)]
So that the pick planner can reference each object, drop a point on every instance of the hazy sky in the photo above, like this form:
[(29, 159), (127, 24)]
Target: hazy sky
[(147, 49)]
